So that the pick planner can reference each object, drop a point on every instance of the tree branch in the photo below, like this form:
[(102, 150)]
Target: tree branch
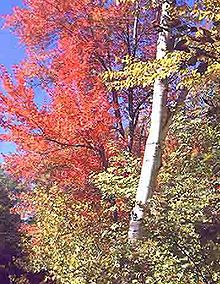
[(68, 144)]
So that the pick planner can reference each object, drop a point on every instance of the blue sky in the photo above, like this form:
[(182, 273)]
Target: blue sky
[(11, 53)]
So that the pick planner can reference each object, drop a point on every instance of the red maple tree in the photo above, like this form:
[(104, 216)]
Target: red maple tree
[(68, 45)]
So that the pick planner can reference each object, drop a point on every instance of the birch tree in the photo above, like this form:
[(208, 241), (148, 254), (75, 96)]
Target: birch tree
[(159, 118), (187, 51)]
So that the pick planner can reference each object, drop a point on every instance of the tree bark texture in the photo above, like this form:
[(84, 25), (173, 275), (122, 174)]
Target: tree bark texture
[(153, 149)]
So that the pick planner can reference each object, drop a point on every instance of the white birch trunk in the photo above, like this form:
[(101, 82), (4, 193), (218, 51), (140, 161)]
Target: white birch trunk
[(152, 155)]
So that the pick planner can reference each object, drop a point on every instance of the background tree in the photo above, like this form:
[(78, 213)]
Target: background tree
[(9, 225), (65, 54)]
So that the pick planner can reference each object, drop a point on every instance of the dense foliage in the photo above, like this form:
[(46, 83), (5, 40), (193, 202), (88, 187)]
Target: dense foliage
[(9, 229), (68, 45), (78, 239), (80, 151)]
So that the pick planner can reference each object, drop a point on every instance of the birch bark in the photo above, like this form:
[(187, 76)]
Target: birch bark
[(159, 116)]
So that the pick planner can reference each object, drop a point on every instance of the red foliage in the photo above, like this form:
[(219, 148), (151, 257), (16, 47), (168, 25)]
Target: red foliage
[(68, 44), (68, 138)]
